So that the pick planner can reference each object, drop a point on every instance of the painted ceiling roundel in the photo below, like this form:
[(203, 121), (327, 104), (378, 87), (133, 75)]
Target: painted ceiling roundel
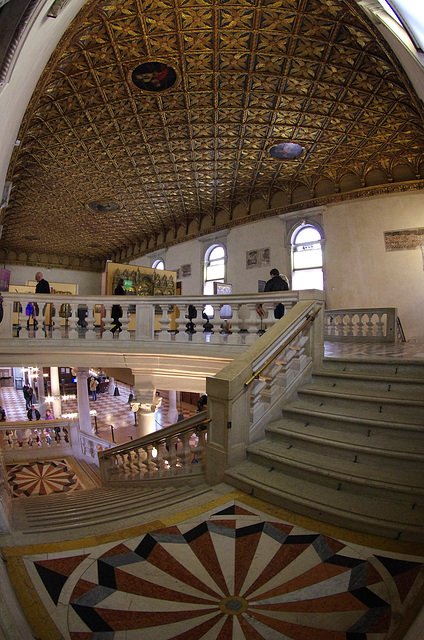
[(169, 109)]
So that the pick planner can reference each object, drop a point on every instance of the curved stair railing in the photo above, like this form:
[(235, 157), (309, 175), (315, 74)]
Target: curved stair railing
[(252, 389), (175, 453)]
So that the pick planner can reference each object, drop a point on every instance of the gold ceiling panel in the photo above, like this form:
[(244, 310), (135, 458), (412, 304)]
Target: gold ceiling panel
[(154, 114)]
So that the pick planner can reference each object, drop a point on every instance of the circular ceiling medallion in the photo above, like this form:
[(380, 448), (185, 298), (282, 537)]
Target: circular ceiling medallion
[(154, 76), (103, 206), (286, 151)]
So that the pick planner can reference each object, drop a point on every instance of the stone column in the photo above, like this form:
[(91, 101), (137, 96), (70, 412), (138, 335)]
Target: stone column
[(172, 411), (55, 392), (145, 405), (83, 401), (40, 392)]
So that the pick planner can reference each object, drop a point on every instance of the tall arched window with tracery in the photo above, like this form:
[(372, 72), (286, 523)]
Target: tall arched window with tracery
[(307, 264)]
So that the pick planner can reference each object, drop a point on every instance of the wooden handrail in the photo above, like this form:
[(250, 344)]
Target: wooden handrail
[(309, 318)]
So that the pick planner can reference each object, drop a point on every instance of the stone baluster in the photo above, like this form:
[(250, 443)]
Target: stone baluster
[(72, 324), (269, 318), (198, 322), (161, 457), (215, 335), (370, 324), (252, 322), (184, 453), (164, 335), (142, 458), (106, 322), (360, 325), (56, 329), (125, 321), (201, 448), (234, 325), (339, 324), (181, 322), (380, 324), (350, 324), (257, 407), (172, 444), (301, 359), (40, 329), (151, 465)]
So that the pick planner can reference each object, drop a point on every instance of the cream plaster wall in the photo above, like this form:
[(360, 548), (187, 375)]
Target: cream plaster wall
[(88, 283), (238, 241), (359, 272), (258, 235)]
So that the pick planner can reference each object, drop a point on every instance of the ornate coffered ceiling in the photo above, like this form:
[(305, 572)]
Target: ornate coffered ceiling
[(119, 156)]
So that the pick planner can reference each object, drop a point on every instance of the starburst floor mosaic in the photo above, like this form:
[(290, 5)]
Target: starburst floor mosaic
[(40, 478), (231, 572)]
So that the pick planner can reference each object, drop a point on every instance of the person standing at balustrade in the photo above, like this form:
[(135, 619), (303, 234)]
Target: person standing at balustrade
[(277, 283), (116, 312), (43, 286)]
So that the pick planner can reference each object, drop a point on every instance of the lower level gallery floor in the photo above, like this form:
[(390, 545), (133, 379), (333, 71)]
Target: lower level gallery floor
[(232, 568)]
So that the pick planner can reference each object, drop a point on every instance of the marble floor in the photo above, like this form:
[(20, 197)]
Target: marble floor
[(111, 410), (233, 568)]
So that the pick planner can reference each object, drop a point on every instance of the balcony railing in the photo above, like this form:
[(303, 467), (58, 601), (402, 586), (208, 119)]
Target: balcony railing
[(361, 325), (232, 319)]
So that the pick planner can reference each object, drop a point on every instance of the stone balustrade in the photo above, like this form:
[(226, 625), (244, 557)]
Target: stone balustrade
[(241, 398), (361, 325), (32, 440), (176, 452), (91, 446), (232, 319)]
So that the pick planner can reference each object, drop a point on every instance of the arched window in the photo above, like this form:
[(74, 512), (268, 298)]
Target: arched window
[(158, 264), (307, 272), (214, 271)]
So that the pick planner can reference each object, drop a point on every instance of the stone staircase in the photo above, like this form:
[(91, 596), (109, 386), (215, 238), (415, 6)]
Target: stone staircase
[(99, 510), (348, 449)]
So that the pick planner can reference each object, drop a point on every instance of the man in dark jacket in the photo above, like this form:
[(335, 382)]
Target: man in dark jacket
[(116, 312), (276, 283), (33, 413), (42, 285)]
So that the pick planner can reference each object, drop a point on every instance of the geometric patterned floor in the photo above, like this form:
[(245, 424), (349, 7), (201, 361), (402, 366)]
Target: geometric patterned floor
[(234, 570), (110, 409), (41, 478)]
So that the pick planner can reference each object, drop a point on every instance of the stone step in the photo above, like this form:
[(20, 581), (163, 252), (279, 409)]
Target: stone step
[(376, 515), (94, 508), (367, 386), (378, 367), (340, 473), (358, 415), (407, 410), (359, 446)]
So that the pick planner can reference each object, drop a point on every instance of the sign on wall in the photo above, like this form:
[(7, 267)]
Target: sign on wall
[(258, 258)]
